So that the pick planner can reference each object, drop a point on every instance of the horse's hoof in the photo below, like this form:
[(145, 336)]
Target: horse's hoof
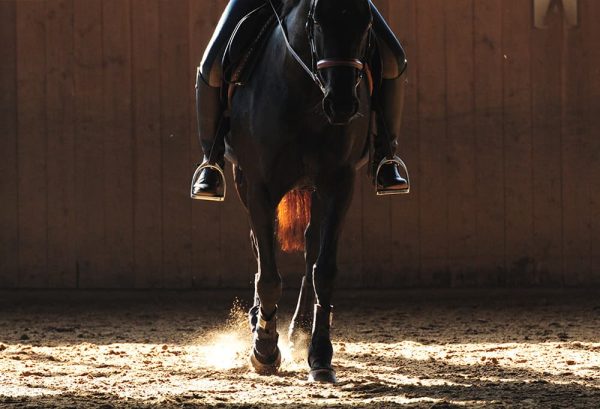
[(265, 368), (322, 376)]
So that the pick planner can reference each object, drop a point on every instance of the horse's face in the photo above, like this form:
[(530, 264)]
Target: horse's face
[(339, 31)]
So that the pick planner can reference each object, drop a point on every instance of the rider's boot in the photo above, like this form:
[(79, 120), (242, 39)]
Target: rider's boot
[(209, 180), (386, 165)]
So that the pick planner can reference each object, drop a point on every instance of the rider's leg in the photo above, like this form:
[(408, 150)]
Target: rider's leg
[(388, 104), (210, 112), (208, 101)]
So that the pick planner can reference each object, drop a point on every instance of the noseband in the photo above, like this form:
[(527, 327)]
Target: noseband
[(332, 62), (320, 64)]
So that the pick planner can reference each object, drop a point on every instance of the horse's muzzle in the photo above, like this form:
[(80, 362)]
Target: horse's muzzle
[(340, 112)]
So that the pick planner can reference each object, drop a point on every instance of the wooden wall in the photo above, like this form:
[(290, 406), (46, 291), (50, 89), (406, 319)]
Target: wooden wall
[(97, 146)]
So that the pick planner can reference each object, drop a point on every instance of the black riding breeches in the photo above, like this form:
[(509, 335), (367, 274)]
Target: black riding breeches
[(236, 10), (392, 53)]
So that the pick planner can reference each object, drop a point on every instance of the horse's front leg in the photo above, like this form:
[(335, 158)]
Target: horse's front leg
[(336, 194), (301, 323), (265, 356)]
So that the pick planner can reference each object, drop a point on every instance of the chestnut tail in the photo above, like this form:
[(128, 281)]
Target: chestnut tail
[(293, 216)]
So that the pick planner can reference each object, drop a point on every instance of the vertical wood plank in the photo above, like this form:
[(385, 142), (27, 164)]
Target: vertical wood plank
[(405, 210), (147, 187), (61, 144), (32, 146), (89, 144), (576, 229), (376, 227), (238, 264), (118, 146), (590, 12), (353, 272), (461, 172), (432, 132), (489, 143), (516, 28), (237, 261), (206, 216), (547, 184), (9, 193), (174, 91)]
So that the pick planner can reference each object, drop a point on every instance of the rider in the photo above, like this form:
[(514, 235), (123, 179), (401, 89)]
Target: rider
[(387, 105)]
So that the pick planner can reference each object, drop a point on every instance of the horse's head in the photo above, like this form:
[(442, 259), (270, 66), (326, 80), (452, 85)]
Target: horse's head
[(339, 33)]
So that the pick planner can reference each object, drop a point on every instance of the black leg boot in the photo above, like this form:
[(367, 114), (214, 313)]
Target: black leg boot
[(320, 352), (208, 182), (386, 165), (265, 356)]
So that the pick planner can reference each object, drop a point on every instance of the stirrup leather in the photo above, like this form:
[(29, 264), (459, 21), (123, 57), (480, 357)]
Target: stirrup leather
[(380, 189), (199, 170)]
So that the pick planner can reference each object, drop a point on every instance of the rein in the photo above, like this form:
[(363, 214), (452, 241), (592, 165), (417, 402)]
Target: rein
[(313, 76), (322, 63)]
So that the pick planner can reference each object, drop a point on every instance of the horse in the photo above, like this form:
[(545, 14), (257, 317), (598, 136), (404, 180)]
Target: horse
[(299, 130)]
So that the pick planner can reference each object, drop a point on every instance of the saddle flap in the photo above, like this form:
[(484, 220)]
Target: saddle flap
[(245, 44)]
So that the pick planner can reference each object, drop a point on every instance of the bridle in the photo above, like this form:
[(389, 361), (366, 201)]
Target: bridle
[(319, 64)]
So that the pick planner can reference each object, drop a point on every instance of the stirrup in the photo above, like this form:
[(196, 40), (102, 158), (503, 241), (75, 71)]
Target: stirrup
[(380, 189), (199, 170)]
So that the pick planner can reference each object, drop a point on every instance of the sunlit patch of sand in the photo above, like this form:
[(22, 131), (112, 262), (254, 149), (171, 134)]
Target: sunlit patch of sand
[(293, 360), (225, 351), (227, 347), (18, 390)]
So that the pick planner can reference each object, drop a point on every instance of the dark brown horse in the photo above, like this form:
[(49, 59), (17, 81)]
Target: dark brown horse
[(299, 131)]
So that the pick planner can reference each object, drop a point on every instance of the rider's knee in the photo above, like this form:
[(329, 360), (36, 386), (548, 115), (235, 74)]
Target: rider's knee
[(199, 78), (391, 52), (393, 60), (210, 71)]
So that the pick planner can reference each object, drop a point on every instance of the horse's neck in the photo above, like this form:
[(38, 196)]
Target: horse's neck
[(292, 5), (295, 22), (300, 84)]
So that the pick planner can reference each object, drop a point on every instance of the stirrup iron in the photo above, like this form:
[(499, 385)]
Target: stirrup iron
[(380, 189), (199, 170)]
